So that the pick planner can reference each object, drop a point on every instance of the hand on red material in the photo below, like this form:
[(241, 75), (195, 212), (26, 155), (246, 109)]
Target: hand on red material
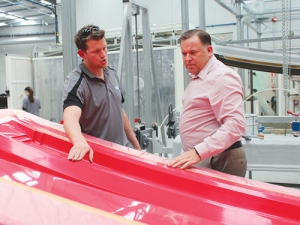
[(185, 160), (79, 150)]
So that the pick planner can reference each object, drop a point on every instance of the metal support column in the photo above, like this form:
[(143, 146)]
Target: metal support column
[(126, 60), (202, 23), (251, 92), (286, 51), (240, 34), (258, 23), (185, 26), (125, 66), (149, 68), (68, 12)]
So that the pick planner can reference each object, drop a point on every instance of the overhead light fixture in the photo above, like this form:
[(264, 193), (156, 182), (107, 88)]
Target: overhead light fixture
[(3, 24), (10, 16), (45, 2), (28, 22)]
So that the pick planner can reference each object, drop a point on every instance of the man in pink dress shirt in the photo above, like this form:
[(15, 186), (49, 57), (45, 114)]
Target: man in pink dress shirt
[(213, 118)]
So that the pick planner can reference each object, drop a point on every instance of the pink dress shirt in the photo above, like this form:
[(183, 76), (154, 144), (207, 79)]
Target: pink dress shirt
[(213, 116)]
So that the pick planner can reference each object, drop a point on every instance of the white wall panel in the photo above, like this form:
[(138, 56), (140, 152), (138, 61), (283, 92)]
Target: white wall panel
[(104, 13), (216, 14), (48, 83), (18, 76), (108, 14)]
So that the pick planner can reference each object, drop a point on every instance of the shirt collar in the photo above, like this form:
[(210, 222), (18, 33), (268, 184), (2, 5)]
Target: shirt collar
[(84, 68), (203, 73)]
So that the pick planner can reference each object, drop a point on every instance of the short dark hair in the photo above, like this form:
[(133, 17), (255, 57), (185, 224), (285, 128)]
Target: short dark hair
[(88, 32), (203, 36)]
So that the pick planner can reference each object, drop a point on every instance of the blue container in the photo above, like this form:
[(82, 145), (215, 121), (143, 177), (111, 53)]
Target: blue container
[(295, 126), (261, 129)]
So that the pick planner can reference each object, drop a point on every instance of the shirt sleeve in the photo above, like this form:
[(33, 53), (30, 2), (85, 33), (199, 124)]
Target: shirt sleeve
[(24, 105), (226, 99), (70, 96)]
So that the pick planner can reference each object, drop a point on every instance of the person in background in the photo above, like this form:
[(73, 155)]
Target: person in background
[(31, 103), (213, 118), (92, 98)]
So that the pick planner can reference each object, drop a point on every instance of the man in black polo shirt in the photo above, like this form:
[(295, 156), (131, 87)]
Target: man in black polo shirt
[(92, 99)]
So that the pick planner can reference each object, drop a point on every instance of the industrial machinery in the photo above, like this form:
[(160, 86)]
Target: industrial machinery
[(148, 136)]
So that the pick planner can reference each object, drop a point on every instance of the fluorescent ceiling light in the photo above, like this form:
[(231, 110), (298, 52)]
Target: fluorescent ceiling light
[(28, 22), (3, 24), (45, 2), (10, 16)]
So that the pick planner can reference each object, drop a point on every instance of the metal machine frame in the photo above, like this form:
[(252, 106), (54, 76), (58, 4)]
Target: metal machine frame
[(126, 59)]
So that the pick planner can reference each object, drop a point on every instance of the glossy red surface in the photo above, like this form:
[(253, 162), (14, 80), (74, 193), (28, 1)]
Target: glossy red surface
[(21, 204), (132, 184)]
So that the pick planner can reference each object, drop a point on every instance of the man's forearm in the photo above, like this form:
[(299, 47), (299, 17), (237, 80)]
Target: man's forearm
[(73, 131), (129, 132)]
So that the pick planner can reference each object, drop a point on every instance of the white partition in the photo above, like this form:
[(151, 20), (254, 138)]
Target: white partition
[(18, 77), (46, 77), (49, 81)]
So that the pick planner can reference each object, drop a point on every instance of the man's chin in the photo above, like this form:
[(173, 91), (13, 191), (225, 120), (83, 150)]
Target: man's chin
[(103, 65), (192, 72), (190, 69)]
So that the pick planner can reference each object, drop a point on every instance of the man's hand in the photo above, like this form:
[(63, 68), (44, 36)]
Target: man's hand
[(79, 149), (185, 160), (137, 146)]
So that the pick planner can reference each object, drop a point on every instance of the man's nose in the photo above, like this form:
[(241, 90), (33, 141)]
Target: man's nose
[(188, 57), (102, 54)]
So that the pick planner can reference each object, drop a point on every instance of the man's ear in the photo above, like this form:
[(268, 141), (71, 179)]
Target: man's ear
[(210, 50), (80, 53)]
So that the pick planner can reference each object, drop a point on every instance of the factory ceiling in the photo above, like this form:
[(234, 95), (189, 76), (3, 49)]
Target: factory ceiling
[(27, 12), (254, 15)]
